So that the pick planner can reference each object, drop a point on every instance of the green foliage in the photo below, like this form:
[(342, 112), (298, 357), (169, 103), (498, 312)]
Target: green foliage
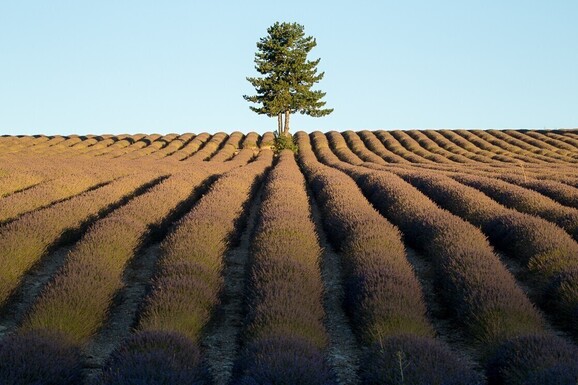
[(288, 75), (284, 142)]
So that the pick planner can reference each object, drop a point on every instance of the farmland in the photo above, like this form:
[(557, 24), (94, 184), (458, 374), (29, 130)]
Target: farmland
[(369, 257)]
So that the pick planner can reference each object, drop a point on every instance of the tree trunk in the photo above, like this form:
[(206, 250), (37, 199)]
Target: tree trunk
[(280, 123), (286, 129)]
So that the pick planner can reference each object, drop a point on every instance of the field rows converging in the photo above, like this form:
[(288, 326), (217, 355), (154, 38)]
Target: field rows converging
[(369, 257)]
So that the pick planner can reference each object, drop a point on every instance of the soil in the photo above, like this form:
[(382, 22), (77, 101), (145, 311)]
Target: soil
[(21, 301), (445, 328), (532, 292), (123, 314), (221, 341), (343, 352), (127, 304)]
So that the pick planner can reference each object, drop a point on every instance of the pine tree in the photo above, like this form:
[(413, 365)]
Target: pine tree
[(288, 77)]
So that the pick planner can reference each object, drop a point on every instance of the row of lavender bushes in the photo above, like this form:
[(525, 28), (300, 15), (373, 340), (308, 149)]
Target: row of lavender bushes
[(510, 140), (413, 146), (380, 154), (530, 179), (190, 147), (139, 147), (520, 199), (128, 146), (346, 143), (566, 137), (394, 146), (101, 147), (549, 255), (47, 348), (460, 141), (56, 190), (475, 285), (186, 288), (11, 183), (360, 144), (96, 264), (445, 143), (42, 356), (173, 145), (430, 145), (543, 143), (448, 145), (568, 195), (24, 241), (457, 146), (477, 147), (523, 233), (383, 299), (543, 140), (285, 336), (156, 150), (558, 191), (192, 255), (20, 172), (57, 144), (229, 147), (148, 147), (495, 144), (248, 149), (525, 200), (209, 148), (492, 146), (518, 145)]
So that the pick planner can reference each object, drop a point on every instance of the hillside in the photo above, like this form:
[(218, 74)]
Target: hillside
[(370, 257)]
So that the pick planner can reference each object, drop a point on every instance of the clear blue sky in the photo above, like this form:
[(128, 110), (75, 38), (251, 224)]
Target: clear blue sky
[(180, 66)]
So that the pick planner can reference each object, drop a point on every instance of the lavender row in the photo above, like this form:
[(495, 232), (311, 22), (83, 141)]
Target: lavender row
[(209, 148), (190, 147), (511, 141), (543, 143), (192, 255), (186, 287), (229, 148), (558, 191), (56, 190), (285, 335), (27, 239), (96, 263), (383, 298), (524, 200), (475, 282), (481, 293), (547, 252)]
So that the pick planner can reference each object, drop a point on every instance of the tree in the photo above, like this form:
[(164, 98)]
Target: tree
[(288, 76)]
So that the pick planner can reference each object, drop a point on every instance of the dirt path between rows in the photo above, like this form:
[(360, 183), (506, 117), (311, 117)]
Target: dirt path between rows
[(127, 303), (123, 314), (33, 282), (445, 328), (221, 341), (532, 292), (24, 297), (343, 352)]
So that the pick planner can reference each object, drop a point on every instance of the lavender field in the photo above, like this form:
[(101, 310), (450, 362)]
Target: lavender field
[(422, 257)]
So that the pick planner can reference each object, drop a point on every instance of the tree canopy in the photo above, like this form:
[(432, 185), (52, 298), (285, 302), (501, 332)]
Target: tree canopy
[(288, 77)]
